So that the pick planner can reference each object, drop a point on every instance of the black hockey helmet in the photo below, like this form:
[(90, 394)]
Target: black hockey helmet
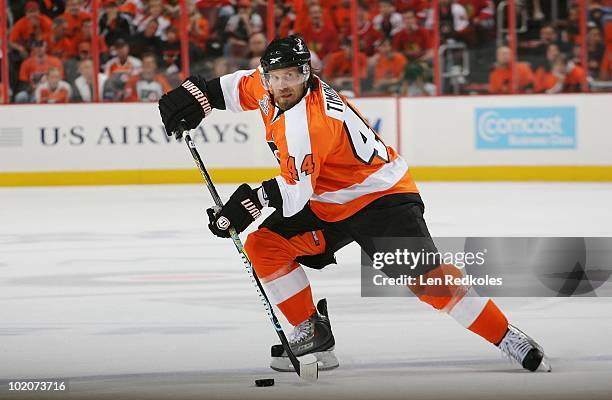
[(291, 51)]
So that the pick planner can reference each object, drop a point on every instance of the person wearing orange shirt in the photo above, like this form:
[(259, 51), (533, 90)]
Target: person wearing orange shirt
[(74, 16), (342, 17), (85, 36), (500, 78), (32, 26), (58, 43), (563, 77), (34, 69), (53, 89), (558, 76), (197, 27), (339, 67), (338, 183), (388, 68), (148, 85)]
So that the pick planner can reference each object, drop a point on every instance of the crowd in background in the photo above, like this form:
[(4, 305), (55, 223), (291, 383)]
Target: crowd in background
[(51, 45)]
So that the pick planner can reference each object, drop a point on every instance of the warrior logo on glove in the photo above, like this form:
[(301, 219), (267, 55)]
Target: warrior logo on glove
[(242, 208), (223, 223)]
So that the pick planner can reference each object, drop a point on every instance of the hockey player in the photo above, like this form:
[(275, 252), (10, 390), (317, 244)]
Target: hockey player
[(338, 183)]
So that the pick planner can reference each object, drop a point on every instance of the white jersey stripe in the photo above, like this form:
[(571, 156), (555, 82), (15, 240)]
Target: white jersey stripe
[(383, 179), (280, 289), (468, 308), (229, 86), (297, 134)]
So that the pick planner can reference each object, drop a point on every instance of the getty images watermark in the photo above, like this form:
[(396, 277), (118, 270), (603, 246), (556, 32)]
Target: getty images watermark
[(492, 266), (413, 260)]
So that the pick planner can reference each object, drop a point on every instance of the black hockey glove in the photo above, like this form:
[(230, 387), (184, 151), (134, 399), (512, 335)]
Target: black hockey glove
[(242, 208), (187, 102)]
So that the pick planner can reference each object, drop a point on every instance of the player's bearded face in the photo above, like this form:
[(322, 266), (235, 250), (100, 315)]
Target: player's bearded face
[(287, 86)]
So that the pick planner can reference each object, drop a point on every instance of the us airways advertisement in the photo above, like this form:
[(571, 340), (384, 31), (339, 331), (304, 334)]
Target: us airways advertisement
[(86, 137)]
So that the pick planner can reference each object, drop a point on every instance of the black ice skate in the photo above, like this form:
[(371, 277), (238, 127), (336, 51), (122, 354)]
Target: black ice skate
[(524, 350), (313, 336)]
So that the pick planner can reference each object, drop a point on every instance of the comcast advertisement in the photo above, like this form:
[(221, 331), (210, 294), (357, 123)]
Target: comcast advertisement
[(526, 128)]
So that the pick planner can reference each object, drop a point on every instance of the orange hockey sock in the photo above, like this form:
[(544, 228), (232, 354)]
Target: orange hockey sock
[(478, 314)]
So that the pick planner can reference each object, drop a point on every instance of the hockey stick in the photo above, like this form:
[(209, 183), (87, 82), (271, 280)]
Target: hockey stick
[(307, 368)]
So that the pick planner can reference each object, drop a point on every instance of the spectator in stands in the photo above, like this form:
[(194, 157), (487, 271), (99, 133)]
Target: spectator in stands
[(303, 17), (171, 51), (389, 21), (84, 51), (481, 13), (119, 69), (595, 50), (149, 85), (563, 77), (53, 89), (342, 17), (85, 37), (74, 17), (114, 25), (548, 35), (339, 67), (369, 37), (197, 28), (414, 81), (571, 28), (58, 44), (221, 67), (33, 26), (388, 68), (481, 19), (453, 20), (146, 41), (34, 69), (413, 41), (500, 78), (154, 11), (257, 45), (240, 27), (83, 90), (321, 37), (284, 19), (545, 77)]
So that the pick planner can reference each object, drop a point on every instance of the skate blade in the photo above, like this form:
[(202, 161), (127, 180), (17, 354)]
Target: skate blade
[(544, 365), (326, 360)]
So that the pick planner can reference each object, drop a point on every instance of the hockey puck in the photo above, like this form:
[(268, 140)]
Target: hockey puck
[(264, 382)]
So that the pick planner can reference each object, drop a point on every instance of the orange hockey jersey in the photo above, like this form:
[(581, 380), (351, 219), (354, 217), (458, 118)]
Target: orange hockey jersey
[(328, 153)]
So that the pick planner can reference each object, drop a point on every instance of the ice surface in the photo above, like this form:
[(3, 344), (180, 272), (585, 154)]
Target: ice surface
[(125, 292)]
